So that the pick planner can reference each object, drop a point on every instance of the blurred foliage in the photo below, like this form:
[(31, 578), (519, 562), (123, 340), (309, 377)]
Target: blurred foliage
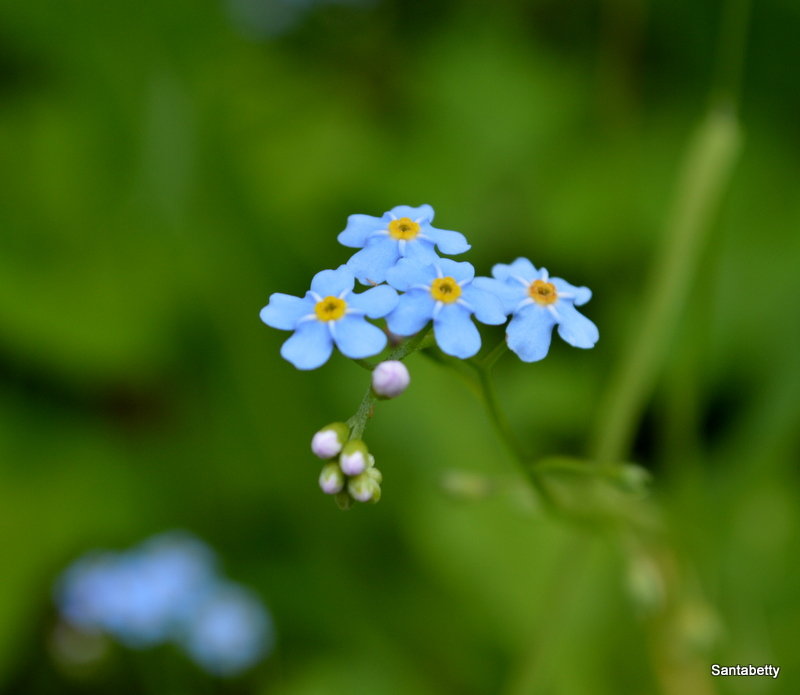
[(166, 169)]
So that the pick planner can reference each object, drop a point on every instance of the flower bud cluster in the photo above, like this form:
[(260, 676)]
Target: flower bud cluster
[(349, 472)]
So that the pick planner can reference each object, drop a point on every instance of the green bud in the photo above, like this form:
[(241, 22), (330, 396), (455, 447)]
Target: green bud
[(362, 487), (331, 479), (354, 458), (375, 474)]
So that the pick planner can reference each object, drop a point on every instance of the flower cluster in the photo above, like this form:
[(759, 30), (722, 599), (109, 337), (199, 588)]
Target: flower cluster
[(411, 287), (349, 472), (398, 253), (168, 589)]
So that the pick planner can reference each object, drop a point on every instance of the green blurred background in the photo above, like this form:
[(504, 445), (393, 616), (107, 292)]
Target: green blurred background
[(169, 165)]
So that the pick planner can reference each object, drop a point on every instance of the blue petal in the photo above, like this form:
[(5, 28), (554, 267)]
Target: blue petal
[(510, 294), (486, 306), (424, 213), (581, 295), (284, 311), (574, 327), (375, 302), (310, 346), (357, 338), (455, 332), (408, 273), (448, 242), (359, 228), (460, 271), (413, 311), (371, 263), (529, 333), (521, 267), (420, 251), (331, 283)]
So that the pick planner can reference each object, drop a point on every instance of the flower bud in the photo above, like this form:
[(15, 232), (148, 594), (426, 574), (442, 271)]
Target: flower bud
[(355, 458), (375, 474), (363, 487), (376, 496), (328, 442), (331, 479), (390, 379)]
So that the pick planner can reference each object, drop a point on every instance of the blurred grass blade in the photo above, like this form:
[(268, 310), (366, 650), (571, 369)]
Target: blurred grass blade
[(706, 172)]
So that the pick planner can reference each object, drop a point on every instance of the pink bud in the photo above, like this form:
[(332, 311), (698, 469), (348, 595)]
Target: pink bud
[(390, 379)]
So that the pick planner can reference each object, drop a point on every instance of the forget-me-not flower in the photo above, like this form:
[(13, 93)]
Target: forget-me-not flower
[(538, 303), (403, 232), (229, 632), (330, 313), (167, 589), (443, 292), (140, 595)]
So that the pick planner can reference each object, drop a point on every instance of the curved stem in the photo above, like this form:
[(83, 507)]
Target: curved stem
[(499, 419), (495, 354), (506, 433), (358, 423)]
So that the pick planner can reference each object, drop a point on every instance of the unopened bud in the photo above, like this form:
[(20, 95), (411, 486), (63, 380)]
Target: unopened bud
[(355, 457), (363, 487), (328, 442), (376, 496), (390, 379), (331, 479), (375, 474)]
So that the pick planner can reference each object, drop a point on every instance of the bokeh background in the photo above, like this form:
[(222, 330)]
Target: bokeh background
[(167, 166)]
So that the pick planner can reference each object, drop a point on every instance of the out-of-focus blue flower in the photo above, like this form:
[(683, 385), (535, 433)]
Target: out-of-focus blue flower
[(330, 313), (444, 292), (403, 232), (167, 589), (229, 631), (137, 596), (538, 303)]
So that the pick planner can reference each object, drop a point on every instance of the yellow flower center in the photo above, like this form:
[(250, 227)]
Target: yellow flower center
[(445, 290), (330, 309), (403, 229), (542, 292)]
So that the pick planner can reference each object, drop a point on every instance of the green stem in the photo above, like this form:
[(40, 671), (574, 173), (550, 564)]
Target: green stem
[(498, 417), (495, 354), (358, 423), (506, 433)]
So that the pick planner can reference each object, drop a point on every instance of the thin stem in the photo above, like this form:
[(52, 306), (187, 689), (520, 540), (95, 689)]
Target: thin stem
[(495, 354), (411, 345), (506, 433), (364, 364), (358, 423), (498, 417)]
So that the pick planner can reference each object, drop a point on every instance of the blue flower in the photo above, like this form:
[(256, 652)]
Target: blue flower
[(403, 232), (539, 302), (330, 313), (229, 632), (141, 595), (444, 292)]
